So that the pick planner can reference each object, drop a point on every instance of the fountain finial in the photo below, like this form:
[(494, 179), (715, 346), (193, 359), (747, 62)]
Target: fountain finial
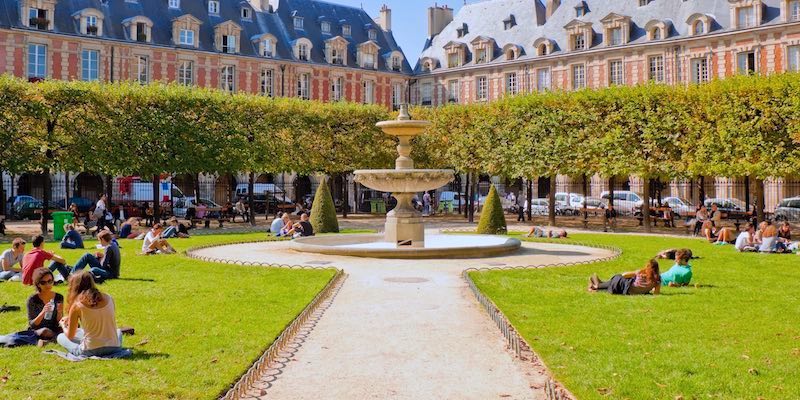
[(404, 115)]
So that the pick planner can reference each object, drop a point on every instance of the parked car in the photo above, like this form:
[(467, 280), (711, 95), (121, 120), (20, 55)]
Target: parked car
[(184, 203), (84, 204), (788, 210), (594, 205), (625, 201), (267, 197), (27, 207), (732, 208), (538, 206), (569, 203), (16, 201), (680, 207)]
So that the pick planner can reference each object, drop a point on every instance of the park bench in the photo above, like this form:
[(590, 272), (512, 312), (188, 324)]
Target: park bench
[(663, 215)]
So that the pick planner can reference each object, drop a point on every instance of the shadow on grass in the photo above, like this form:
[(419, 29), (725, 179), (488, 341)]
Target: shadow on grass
[(527, 251), (136, 279), (145, 355)]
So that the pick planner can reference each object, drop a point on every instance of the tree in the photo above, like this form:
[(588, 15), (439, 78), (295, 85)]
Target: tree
[(492, 221), (323, 212), (16, 117)]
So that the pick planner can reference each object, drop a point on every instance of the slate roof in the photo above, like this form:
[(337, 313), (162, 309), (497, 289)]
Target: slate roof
[(280, 24), (485, 18)]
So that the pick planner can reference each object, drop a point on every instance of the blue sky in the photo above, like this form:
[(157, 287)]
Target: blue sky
[(409, 20)]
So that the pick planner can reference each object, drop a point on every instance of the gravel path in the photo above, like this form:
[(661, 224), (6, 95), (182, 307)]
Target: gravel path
[(404, 330)]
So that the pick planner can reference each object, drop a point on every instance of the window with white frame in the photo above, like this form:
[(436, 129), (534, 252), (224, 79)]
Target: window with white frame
[(511, 83), (480, 55), (699, 70), (186, 37), (655, 34), (142, 30), (453, 89), (337, 57), (580, 11), (369, 92), (325, 27), (616, 73), (267, 83), (37, 61), (369, 60), (543, 79), (303, 86), (578, 42), (266, 48), (482, 88), (174, 3), (345, 30), (186, 73), (397, 95), (793, 58), (298, 22), (302, 52), (699, 27), (90, 65), (615, 36), (227, 78), (656, 70), (337, 84), (793, 8), (745, 17), (396, 63), (37, 19), (246, 13), (229, 44), (91, 25), (373, 34), (453, 60), (213, 7), (427, 92), (578, 76), (746, 62), (142, 69)]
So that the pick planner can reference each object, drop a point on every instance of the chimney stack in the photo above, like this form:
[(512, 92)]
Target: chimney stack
[(552, 6), (385, 18), (438, 18)]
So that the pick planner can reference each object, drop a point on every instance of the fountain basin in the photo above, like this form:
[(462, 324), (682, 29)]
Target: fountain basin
[(436, 246), (404, 181), (403, 127)]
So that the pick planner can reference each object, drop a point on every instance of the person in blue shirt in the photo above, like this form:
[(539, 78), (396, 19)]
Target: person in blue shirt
[(72, 239), (681, 273)]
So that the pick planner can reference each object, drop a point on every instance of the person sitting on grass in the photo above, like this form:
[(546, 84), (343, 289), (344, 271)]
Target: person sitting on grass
[(175, 229), (45, 307), (725, 236), (681, 273), (10, 258), (288, 226), (103, 265), (541, 232), (35, 259), (153, 243), (303, 227), (95, 312), (126, 229), (277, 224), (72, 239), (746, 240), (769, 237), (643, 281)]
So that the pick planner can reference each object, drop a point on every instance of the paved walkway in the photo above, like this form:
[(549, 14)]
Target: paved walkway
[(403, 329)]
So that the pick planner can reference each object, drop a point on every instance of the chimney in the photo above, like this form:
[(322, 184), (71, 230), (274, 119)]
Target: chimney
[(552, 6), (265, 5), (438, 18), (385, 18)]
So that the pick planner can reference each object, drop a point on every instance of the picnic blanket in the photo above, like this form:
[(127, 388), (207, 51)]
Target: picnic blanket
[(122, 353)]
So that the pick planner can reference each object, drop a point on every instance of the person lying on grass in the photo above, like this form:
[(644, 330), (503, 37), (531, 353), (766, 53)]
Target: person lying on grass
[(95, 313), (175, 229), (670, 254), (103, 265), (643, 281), (45, 307), (681, 273), (126, 229), (541, 232), (153, 243)]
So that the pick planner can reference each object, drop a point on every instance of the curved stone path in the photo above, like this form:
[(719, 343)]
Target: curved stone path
[(403, 329)]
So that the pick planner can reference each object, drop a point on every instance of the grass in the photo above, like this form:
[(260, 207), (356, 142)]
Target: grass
[(199, 326), (736, 336)]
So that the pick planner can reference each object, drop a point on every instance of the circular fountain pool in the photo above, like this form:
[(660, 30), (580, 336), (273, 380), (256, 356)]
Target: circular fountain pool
[(436, 246)]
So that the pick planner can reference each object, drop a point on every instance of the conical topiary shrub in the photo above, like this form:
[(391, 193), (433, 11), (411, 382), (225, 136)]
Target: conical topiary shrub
[(323, 212), (493, 221)]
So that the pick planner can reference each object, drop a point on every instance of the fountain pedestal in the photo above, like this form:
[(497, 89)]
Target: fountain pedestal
[(404, 225)]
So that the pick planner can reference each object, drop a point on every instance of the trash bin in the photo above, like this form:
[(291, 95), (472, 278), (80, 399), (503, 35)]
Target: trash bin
[(59, 219)]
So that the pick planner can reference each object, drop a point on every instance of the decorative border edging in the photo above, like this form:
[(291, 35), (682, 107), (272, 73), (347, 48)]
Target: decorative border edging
[(240, 388), (553, 389)]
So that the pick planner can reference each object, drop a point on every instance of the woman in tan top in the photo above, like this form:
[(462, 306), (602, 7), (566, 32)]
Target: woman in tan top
[(94, 311)]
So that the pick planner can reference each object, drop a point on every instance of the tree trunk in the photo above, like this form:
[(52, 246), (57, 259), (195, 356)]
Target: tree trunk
[(46, 201), (196, 179), (610, 198), (646, 205), (471, 200), (530, 199), (345, 197), (551, 206), (157, 198), (67, 194), (251, 178), (701, 192), (466, 198), (747, 194), (3, 193), (585, 205), (109, 190), (760, 199)]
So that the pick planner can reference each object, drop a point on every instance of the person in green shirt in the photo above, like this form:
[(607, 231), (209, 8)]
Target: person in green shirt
[(681, 273)]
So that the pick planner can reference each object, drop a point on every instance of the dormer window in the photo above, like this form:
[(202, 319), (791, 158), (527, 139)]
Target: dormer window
[(90, 21), (368, 55), (229, 44), (453, 60), (578, 42), (226, 37), (336, 50), (266, 48), (141, 32), (246, 13), (185, 30), (455, 54), (480, 56), (303, 51), (186, 37), (325, 27), (580, 35), (698, 24), (745, 17), (337, 58), (368, 61), (792, 10), (580, 11), (139, 28), (345, 30), (174, 3), (699, 28), (428, 64), (747, 13), (616, 29), (213, 7), (509, 22), (37, 19), (298, 22), (397, 63), (615, 37), (656, 30), (91, 25), (643, 3), (543, 46), (511, 51), (373, 34), (483, 48)]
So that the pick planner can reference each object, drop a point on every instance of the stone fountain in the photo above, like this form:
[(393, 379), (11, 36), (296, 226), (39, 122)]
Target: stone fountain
[(404, 234), (404, 226)]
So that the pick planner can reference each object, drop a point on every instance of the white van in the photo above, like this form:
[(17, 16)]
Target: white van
[(625, 201), (143, 191)]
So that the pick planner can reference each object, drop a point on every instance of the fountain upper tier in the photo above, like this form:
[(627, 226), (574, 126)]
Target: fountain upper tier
[(404, 180)]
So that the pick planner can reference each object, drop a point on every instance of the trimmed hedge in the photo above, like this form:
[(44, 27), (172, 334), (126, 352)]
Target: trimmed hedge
[(323, 211), (492, 221)]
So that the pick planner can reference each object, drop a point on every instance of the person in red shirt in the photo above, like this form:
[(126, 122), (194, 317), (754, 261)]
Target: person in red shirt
[(35, 259)]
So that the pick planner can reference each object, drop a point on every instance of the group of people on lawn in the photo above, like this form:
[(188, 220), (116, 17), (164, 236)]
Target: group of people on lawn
[(89, 326), (767, 238), (648, 279), (282, 226)]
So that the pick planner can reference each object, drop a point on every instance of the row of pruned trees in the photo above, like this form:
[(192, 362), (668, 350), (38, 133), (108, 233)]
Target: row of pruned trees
[(130, 129), (746, 126)]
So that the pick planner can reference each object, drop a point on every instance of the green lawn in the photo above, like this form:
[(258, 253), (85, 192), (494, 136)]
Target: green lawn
[(736, 336), (199, 326)]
